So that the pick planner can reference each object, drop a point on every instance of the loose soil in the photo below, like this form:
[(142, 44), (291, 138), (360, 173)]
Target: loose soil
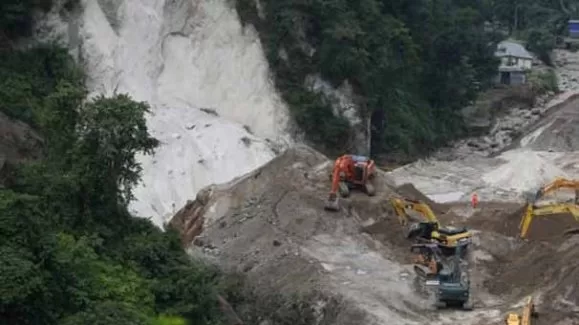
[(271, 226)]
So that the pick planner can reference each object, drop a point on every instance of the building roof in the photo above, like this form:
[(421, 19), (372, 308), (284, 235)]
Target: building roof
[(510, 48)]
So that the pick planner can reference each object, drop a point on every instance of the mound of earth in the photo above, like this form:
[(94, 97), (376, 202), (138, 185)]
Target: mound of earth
[(557, 131), (505, 218), (271, 225), (409, 191), (546, 269), (542, 265)]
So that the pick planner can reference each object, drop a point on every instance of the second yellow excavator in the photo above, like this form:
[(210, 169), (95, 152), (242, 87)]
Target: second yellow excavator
[(448, 238), (551, 209), (525, 317), (532, 210)]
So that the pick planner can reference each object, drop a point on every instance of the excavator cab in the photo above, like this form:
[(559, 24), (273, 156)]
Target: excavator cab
[(361, 164), (430, 230)]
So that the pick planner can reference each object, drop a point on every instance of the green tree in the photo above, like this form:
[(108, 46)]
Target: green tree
[(413, 64)]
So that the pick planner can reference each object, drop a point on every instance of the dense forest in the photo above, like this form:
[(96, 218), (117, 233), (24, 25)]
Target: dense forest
[(414, 64), (71, 253)]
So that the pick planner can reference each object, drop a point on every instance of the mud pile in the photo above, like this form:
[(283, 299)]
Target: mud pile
[(544, 265), (546, 269), (271, 226), (557, 131), (505, 218), (408, 190)]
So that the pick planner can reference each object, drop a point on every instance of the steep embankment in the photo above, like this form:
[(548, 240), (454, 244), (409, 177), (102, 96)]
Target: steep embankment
[(546, 149), (271, 226), (214, 108)]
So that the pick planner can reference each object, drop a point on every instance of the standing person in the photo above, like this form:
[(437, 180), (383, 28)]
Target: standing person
[(474, 200)]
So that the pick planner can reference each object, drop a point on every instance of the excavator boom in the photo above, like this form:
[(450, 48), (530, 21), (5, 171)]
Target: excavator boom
[(400, 206), (558, 183), (532, 211), (525, 317)]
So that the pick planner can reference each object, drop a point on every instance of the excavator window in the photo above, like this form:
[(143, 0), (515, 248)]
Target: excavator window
[(359, 172), (427, 229)]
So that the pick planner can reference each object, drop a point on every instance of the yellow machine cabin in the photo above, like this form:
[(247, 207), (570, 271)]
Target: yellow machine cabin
[(431, 229)]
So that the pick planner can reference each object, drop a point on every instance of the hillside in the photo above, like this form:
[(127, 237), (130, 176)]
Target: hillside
[(271, 226), (117, 115)]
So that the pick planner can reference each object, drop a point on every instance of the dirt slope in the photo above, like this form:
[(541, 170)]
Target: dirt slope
[(271, 225)]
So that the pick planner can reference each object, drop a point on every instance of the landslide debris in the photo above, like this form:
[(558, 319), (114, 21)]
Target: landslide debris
[(270, 225)]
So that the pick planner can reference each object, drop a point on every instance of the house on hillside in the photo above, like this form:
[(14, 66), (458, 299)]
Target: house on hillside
[(516, 61)]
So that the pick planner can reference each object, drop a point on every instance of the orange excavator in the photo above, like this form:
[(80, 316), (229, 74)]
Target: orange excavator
[(350, 171)]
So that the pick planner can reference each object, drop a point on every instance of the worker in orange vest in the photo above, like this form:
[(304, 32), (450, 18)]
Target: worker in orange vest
[(474, 200)]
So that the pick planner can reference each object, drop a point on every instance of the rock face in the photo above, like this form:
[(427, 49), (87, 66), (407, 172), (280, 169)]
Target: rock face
[(18, 142)]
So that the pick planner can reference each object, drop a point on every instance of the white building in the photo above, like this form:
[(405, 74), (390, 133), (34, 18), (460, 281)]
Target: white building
[(516, 61)]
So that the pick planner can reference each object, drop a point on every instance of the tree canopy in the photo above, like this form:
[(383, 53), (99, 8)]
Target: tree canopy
[(414, 64), (70, 253)]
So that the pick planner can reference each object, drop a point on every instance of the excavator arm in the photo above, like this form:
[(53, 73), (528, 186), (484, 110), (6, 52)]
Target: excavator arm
[(528, 311), (525, 317), (532, 212), (558, 183), (335, 178), (400, 206)]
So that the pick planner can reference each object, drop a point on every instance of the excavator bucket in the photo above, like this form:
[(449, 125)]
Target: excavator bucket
[(332, 204)]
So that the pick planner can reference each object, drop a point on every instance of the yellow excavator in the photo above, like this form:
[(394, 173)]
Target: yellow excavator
[(551, 209), (533, 210), (447, 238), (525, 317), (558, 183)]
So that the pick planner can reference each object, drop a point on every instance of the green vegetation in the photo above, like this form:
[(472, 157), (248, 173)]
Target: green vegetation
[(70, 253), (540, 23), (543, 81), (413, 64)]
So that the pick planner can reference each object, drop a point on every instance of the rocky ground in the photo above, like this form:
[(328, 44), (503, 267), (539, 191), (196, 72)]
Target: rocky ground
[(271, 226), (517, 119), (540, 148)]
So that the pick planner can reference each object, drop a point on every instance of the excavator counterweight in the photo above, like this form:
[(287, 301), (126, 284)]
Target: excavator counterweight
[(430, 230)]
